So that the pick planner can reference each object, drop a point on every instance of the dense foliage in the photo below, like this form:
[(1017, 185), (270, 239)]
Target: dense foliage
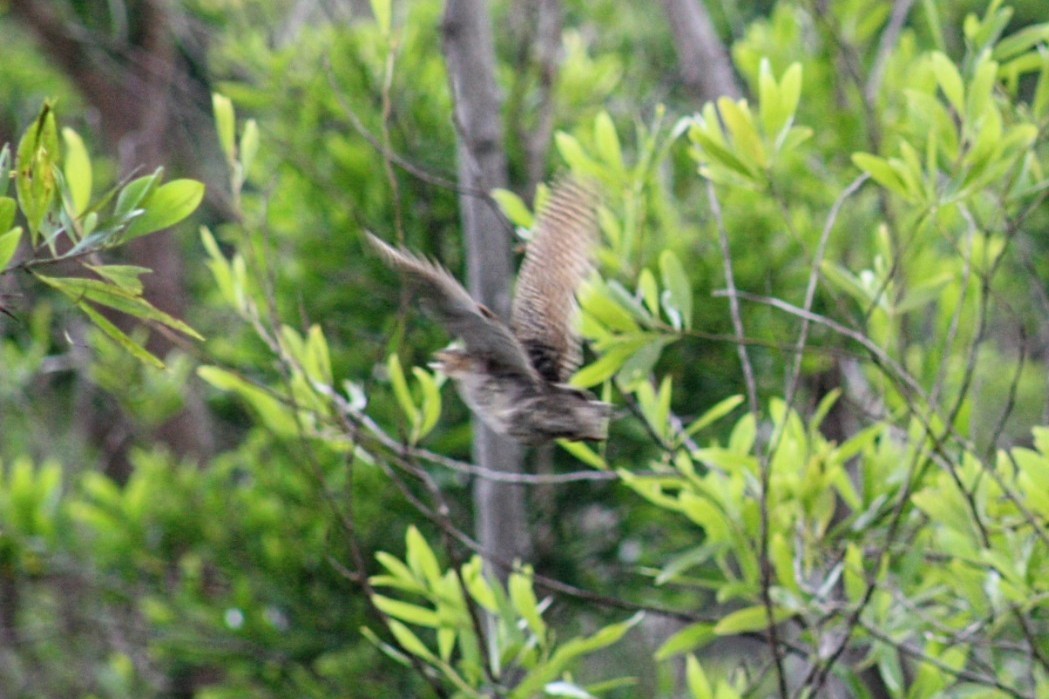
[(820, 312)]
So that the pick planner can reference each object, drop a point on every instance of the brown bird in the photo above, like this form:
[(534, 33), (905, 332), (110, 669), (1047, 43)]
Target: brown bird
[(515, 377)]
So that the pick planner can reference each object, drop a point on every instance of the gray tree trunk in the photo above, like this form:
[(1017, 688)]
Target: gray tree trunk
[(499, 508), (704, 61)]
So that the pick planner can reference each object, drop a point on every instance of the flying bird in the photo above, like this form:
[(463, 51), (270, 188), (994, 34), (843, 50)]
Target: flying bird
[(515, 377)]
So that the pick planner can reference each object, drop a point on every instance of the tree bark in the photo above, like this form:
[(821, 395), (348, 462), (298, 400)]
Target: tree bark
[(499, 508), (705, 65)]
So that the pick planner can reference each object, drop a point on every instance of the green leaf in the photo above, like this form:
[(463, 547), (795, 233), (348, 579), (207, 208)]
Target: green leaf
[(249, 146), (382, 12), (134, 193), (400, 388), (225, 124), (717, 412), (411, 613), (9, 243), (523, 598), (688, 639), (750, 619), (124, 276), (431, 403), (79, 288), (421, 558), (513, 208), (949, 80), (698, 684), (273, 412), (648, 290), (38, 157), (409, 641), (77, 170), (166, 206), (740, 124), (677, 291), (882, 172), (117, 335), (607, 142), (584, 453), (578, 161)]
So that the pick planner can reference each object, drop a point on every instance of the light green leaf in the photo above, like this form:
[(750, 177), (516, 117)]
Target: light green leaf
[(677, 291), (740, 124), (9, 242), (750, 619), (513, 208), (249, 146), (79, 289), (411, 613), (77, 170), (949, 80), (409, 641), (124, 276), (166, 206), (400, 388), (688, 639), (431, 403), (698, 684), (382, 11), (584, 453), (135, 192), (117, 335), (38, 157), (523, 598), (649, 291), (607, 141), (421, 558), (225, 124), (273, 412), (717, 412), (882, 172)]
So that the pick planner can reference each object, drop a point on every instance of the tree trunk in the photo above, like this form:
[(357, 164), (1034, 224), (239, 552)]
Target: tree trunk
[(706, 68), (499, 508)]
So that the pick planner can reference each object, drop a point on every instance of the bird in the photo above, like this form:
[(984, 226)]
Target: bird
[(515, 376)]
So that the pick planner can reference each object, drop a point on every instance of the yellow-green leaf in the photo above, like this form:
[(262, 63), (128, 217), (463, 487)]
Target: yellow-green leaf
[(9, 244), (77, 170), (166, 206)]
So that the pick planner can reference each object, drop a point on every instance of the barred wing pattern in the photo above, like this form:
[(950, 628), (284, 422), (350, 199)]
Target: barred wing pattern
[(483, 333), (558, 258)]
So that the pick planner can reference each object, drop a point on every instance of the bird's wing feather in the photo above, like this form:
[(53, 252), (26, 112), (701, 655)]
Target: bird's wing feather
[(445, 298), (558, 258)]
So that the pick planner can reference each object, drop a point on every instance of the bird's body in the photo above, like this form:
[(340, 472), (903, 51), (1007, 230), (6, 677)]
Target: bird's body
[(516, 379)]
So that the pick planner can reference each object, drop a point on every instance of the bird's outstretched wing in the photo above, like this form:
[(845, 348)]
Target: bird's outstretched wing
[(558, 258), (445, 298)]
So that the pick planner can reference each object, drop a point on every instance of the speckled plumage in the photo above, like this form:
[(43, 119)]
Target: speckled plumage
[(514, 379)]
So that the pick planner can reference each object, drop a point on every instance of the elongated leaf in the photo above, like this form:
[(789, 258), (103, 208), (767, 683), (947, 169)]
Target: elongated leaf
[(38, 158), (719, 411), (513, 208), (750, 619), (117, 335), (523, 598), (411, 613), (584, 453), (77, 170), (698, 684), (124, 276), (225, 124), (677, 291), (421, 558), (686, 640), (166, 206), (79, 288), (274, 413), (9, 244), (607, 141), (400, 388)]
